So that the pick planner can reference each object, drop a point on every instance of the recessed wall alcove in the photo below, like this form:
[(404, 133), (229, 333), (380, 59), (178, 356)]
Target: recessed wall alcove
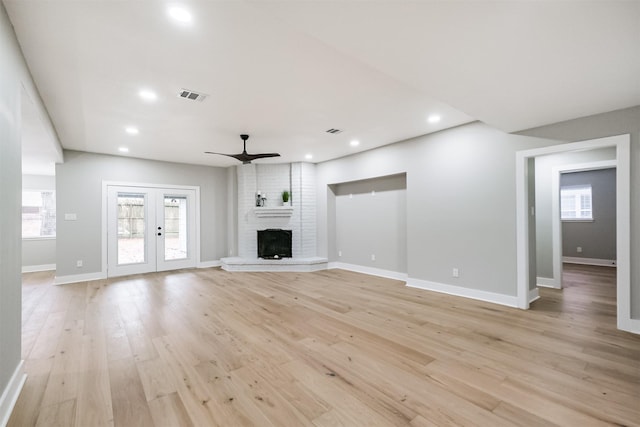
[(371, 223)]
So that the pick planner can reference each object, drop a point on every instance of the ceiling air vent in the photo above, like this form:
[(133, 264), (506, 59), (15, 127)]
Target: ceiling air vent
[(189, 94), (334, 131)]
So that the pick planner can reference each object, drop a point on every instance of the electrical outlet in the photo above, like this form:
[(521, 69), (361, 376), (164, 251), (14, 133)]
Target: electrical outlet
[(339, 253), (79, 263), (455, 272), (373, 257), (579, 249)]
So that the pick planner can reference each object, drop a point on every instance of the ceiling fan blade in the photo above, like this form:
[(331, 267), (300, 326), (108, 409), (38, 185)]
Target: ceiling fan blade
[(241, 156), (245, 157), (223, 154), (260, 156)]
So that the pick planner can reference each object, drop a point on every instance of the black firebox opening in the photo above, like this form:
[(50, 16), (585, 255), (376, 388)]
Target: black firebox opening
[(274, 243)]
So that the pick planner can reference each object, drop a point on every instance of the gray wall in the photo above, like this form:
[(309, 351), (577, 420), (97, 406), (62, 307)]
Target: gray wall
[(16, 87), (79, 190), (232, 212), (597, 238), (544, 169), (372, 223), (619, 122), (461, 202), (38, 252)]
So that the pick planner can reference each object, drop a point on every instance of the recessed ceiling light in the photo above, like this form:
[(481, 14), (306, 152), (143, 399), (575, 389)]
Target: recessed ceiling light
[(434, 118), (123, 149), (180, 14), (132, 130), (148, 95), (354, 143), (309, 156)]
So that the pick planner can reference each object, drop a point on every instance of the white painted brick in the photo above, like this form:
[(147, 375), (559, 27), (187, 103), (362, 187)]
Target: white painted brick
[(271, 180)]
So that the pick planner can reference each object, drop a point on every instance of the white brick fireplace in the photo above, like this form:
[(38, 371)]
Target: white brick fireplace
[(300, 217)]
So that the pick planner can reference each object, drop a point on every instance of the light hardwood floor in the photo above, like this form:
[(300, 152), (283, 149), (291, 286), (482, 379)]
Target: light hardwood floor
[(211, 348)]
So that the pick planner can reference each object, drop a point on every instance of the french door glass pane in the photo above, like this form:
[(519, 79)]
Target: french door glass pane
[(131, 228), (175, 227)]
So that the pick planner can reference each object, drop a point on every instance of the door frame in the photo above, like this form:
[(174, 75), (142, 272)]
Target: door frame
[(622, 143), (106, 184)]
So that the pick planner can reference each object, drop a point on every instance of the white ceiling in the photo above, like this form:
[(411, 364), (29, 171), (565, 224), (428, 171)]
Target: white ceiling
[(286, 71)]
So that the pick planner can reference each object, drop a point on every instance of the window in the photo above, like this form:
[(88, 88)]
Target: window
[(575, 203), (38, 214)]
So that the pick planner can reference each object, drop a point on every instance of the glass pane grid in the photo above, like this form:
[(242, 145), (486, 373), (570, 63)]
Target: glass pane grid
[(175, 228), (38, 214), (131, 229), (576, 203)]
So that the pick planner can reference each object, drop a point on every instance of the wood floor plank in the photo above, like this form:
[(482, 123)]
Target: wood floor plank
[(65, 372), (193, 394), (206, 347), (520, 417), (94, 406), (346, 408), (169, 411), (29, 405), (156, 378), (274, 405), (58, 415), (127, 395)]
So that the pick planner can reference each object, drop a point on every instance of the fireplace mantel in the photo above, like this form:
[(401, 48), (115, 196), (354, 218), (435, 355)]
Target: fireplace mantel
[(272, 212)]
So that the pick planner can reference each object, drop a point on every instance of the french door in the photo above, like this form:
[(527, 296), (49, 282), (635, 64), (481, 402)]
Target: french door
[(150, 229)]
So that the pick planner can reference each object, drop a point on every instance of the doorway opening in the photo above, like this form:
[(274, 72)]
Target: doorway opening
[(623, 242), (590, 239)]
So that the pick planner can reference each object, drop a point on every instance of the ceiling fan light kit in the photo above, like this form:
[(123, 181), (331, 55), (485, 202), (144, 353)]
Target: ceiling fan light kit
[(245, 157)]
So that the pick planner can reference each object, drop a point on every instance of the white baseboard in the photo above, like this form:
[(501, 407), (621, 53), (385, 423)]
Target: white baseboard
[(629, 325), (369, 270), (589, 261), (460, 291), (547, 282), (533, 295), (11, 393), (34, 268), (75, 278), (209, 264)]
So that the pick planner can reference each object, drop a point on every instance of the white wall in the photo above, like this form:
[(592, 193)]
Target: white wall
[(38, 253), (232, 212), (79, 190), (16, 86), (460, 203), (544, 168)]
